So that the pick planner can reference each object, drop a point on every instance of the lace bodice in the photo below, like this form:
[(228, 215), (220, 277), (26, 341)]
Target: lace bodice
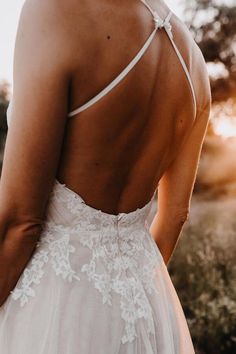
[(121, 261)]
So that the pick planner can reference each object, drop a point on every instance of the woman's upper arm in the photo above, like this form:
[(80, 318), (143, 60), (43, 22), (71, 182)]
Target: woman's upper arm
[(38, 113), (176, 185)]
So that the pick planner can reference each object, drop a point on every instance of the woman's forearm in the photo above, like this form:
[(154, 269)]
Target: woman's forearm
[(17, 245), (166, 231)]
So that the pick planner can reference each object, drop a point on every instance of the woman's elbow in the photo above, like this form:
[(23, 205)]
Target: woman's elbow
[(20, 226), (181, 215)]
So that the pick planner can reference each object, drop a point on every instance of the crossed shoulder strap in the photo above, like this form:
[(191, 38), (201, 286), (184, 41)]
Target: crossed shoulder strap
[(159, 23)]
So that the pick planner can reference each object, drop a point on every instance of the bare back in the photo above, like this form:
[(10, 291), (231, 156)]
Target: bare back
[(146, 132), (116, 151)]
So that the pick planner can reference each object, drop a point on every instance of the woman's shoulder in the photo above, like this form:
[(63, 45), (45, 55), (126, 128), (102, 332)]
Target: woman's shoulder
[(195, 62)]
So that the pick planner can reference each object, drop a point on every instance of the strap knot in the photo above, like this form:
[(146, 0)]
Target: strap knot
[(160, 23)]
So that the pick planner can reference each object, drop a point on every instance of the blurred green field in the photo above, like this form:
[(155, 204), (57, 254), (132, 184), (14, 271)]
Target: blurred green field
[(203, 270)]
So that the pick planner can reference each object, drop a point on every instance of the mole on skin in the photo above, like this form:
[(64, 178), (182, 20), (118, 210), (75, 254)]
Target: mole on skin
[(108, 37)]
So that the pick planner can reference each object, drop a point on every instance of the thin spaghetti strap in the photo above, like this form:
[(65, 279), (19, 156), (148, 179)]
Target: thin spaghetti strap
[(120, 77), (184, 66), (167, 26), (149, 7), (159, 23)]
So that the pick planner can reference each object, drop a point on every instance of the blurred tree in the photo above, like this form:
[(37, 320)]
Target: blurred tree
[(4, 101), (213, 24)]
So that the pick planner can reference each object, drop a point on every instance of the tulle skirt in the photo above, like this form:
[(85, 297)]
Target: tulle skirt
[(96, 284)]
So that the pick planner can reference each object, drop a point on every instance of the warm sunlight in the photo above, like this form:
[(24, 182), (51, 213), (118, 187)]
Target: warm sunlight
[(223, 117), (225, 127)]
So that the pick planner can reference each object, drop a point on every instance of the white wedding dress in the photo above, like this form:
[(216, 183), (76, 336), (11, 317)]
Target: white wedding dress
[(96, 283)]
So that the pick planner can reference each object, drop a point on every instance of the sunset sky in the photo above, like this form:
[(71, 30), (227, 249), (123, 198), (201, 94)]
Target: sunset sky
[(9, 16)]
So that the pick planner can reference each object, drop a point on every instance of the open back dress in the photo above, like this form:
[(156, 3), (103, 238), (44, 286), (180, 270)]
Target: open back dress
[(97, 282)]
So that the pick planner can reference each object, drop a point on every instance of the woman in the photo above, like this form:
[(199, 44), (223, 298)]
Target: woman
[(81, 270)]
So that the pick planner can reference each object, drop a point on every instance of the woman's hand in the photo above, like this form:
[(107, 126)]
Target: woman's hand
[(166, 234), (16, 249)]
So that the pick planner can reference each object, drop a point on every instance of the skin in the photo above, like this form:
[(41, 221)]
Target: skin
[(142, 136)]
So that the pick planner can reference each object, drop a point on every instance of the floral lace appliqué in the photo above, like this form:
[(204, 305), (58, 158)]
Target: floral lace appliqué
[(51, 248), (122, 258), (121, 274)]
